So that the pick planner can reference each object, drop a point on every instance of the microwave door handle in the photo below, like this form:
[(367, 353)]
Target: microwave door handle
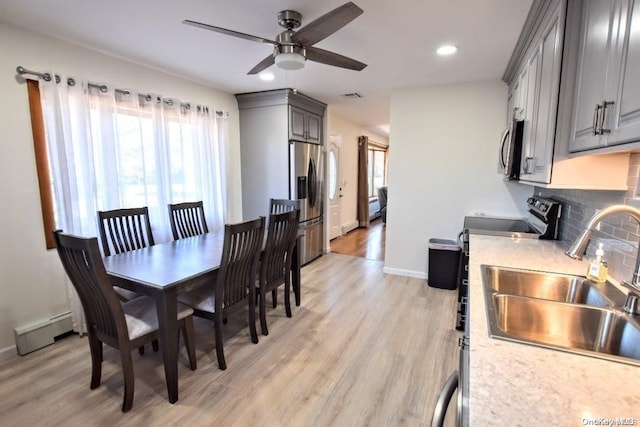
[(505, 138)]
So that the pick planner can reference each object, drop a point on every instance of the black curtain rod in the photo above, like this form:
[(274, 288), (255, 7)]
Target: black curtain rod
[(103, 88)]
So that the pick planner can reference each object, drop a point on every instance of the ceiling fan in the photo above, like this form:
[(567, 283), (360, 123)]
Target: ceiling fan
[(293, 48)]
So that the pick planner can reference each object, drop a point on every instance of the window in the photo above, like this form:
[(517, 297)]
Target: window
[(333, 174), (107, 149), (377, 173)]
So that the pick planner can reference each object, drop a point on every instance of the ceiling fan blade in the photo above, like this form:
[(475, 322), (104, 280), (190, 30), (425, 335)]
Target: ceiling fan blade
[(229, 32), (327, 24), (335, 59), (262, 65)]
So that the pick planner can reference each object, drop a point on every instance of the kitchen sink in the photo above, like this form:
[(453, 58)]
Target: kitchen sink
[(577, 328), (549, 286), (561, 312)]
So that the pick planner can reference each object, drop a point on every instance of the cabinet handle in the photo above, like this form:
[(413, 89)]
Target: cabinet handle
[(596, 119), (605, 104)]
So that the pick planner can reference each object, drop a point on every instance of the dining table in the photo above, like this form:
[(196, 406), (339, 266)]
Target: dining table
[(166, 269)]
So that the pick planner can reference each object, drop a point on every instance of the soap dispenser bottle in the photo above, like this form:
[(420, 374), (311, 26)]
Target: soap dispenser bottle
[(598, 267)]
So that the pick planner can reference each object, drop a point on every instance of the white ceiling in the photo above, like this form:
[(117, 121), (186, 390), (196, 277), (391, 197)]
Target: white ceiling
[(396, 38)]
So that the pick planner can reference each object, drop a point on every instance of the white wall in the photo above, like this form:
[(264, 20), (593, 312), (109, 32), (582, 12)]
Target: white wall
[(349, 132), (31, 278), (444, 142)]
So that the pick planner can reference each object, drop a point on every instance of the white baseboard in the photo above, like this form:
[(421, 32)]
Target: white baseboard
[(407, 273), (8, 353), (349, 227), (41, 334)]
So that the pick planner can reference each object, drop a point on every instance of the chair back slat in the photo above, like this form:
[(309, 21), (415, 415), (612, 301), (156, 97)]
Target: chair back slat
[(281, 239), (187, 219), (124, 230), (240, 253), (83, 264), (283, 205)]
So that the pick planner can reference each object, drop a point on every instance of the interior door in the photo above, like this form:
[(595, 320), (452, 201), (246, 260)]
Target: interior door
[(335, 188)]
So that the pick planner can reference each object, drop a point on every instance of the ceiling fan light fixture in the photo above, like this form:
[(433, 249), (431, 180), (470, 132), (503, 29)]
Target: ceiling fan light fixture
[(290, 61)]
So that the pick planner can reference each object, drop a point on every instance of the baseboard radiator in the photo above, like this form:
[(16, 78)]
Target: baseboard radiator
[(349, 227), (41, 334)]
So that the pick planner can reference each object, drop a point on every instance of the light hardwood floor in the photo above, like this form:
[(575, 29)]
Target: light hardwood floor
[(363, 349)]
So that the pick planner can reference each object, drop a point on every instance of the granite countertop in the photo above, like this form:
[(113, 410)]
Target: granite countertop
[(522, 385)]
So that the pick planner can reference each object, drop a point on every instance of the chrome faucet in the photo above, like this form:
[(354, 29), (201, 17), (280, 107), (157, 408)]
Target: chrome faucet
[(579, 248)]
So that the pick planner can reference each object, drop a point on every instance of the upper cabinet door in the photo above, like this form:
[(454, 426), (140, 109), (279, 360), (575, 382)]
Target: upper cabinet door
[(530, 102), (314, 128), (305, 126), (624, 121), (297, 126), (595, 49), (540, 153), (607, 102)]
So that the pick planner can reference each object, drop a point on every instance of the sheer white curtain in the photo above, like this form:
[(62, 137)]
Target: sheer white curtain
[(111, 149)]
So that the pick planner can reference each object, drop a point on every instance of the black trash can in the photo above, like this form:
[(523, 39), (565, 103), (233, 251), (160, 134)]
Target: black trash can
[(444, 263)]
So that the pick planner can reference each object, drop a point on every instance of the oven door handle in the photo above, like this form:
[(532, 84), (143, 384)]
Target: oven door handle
[(443, 400)]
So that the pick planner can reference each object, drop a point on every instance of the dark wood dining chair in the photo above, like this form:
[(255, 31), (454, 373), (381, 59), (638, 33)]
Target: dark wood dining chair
[(235, 282), (187, 219), (121, 325), (279, 206), (275, 261), (283, 205), (124, 230)]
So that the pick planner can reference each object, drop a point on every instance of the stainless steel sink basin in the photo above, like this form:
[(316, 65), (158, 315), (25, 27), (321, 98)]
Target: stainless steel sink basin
[(561, 312), (539, 284), (593, 331)]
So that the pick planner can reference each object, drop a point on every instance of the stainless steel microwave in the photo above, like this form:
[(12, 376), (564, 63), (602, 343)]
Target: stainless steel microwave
[(510, 154)]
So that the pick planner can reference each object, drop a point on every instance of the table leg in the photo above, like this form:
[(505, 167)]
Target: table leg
[(295, 271), (167, 304)]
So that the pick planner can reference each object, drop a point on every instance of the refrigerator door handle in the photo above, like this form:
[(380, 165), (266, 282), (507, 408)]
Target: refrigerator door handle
[(312, 180)]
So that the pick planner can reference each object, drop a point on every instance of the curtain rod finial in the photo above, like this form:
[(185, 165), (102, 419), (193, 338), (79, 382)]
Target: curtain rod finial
[(20, 69)]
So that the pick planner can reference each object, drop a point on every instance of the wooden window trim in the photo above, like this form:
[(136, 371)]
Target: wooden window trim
[(42, 162)]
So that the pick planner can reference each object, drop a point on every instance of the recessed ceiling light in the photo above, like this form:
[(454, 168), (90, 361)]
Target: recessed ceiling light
[(447, 49), (267, 76)]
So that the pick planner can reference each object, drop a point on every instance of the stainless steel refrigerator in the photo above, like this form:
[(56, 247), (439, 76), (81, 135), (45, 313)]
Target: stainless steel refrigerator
[(281, 148), (307, 186)]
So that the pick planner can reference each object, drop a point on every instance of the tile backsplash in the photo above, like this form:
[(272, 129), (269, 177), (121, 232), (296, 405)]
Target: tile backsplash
[(618, 233)]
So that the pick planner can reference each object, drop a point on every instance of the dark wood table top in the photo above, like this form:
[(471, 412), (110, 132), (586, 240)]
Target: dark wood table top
[(169, 264)]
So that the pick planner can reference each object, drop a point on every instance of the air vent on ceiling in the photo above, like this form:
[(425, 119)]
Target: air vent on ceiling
[(354, 95)]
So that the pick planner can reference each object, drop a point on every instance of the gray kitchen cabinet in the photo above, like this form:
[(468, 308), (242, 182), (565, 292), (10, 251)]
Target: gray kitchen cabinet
[(304, 125), (545, 75), (269, 121), (535, 93), (547, 52), (607, 93)]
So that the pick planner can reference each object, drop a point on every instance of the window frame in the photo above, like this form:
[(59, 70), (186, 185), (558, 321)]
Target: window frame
[(42, 162), (371, 150)]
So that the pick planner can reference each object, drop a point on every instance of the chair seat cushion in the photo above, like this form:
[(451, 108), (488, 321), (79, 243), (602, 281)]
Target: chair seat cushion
[(142, 317), (202, 299)]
